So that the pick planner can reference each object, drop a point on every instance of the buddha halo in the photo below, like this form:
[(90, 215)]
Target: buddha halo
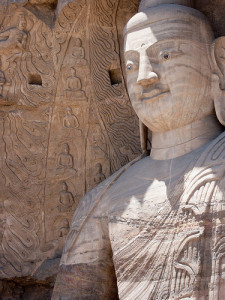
[(146, 4)]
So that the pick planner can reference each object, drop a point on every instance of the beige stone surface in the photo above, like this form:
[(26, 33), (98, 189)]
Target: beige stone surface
[(155, 229), (66, 124)]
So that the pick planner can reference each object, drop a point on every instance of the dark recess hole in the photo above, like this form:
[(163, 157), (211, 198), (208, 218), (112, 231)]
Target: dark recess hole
[(115, 76), (35, 79)]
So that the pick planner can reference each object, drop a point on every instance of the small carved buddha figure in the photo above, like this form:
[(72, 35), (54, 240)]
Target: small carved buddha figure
[(63, 231), (15, 37), (98, 143), (99, 175), (70, 120), (65, 159), (74, 88), (156, 228), (65, 198), (78, 53), (65, 163)]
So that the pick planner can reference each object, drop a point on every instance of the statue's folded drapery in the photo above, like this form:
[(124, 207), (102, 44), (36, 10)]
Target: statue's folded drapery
[(169, 258)]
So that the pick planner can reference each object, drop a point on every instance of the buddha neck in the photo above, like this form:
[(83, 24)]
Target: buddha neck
[(180, 141)]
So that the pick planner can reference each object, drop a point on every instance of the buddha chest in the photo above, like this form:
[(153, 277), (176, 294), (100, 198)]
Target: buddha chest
[(161, 248)]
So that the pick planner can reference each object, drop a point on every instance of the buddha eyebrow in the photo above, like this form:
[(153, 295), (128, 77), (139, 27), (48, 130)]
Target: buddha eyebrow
[(167, 43)]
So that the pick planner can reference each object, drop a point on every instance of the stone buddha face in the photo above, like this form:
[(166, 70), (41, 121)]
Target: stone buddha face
[(64, 186), (22, 23), (66, 148), (169, 66)]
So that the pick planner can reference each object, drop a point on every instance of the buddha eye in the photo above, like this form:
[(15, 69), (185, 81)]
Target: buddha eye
[(129, 67), (165, 55)]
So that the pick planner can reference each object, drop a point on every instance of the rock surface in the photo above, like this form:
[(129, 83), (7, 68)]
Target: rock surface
[(66, 124)]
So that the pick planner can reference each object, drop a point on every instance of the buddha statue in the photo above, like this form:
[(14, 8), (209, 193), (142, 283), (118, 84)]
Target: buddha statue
[(65, 163), (66, 199), (156, 228), (78, 53), (63, 231), (99, 175), (70, 120), (74, 88), (65, 159)]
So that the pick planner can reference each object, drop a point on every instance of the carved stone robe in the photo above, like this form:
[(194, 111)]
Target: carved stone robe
[(142, 236)]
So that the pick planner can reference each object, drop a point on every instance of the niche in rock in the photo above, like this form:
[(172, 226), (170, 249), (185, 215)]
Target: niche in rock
[(115, 76), (35, 79)]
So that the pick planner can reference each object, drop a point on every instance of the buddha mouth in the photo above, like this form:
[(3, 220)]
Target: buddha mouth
[(153, 94)]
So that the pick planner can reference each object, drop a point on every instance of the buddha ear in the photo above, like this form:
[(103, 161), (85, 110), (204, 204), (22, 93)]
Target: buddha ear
[(218, 78), (219, 56)]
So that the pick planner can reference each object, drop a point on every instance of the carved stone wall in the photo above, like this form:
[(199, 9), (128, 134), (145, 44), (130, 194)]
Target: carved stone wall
[(66, 124)]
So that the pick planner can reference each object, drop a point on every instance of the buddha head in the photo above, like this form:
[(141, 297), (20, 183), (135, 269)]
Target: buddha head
[(73, 71), (68, 111), (22, 23), (65, 148), (66, 223), (98, 168), (78, 42), (175, 72), (64, 186)]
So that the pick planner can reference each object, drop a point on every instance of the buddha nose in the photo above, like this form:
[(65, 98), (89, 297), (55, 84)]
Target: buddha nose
[(146, 75)]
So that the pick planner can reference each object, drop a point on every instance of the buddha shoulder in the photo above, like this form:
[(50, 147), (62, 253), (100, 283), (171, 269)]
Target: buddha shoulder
[(101, 193)]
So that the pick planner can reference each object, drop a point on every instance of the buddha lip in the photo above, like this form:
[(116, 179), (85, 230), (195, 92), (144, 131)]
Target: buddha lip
[(153, 94)]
